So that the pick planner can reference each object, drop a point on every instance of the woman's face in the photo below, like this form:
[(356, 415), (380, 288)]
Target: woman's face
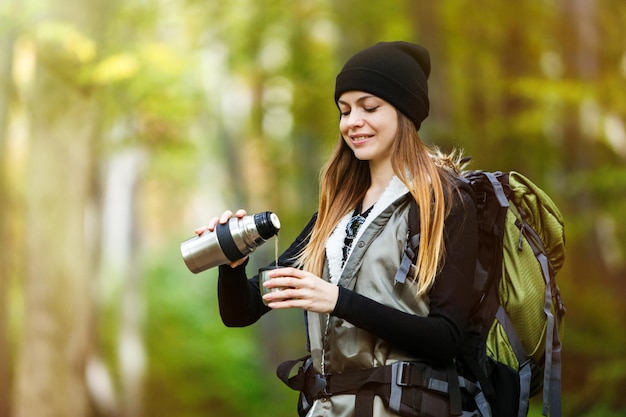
[(368, 124)]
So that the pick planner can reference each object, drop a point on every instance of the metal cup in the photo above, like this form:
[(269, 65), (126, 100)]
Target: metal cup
[(264, 277)]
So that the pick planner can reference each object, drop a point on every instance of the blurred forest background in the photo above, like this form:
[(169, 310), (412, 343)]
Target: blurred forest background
[(126, 124)]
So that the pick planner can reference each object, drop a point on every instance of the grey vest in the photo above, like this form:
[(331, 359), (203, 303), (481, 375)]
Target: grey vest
[(370, 271)]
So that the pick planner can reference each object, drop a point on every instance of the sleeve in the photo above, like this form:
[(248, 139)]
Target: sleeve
[(239, 298), (438, 336)]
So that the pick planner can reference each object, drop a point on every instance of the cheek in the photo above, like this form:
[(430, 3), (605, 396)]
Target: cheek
[(344, 134), (347, 141), (343, 126), (394, 132)]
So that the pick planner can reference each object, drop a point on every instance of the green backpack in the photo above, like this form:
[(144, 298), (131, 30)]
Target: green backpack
[(519, 322), (513, 347)]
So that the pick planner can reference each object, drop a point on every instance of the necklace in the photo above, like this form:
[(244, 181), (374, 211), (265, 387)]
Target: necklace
[(352, 228)]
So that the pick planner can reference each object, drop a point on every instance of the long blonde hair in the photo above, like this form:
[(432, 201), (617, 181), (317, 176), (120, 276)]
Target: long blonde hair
[(345, 180)]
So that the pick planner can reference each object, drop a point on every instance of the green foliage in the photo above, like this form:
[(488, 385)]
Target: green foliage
[(197, 365), (231, 103)]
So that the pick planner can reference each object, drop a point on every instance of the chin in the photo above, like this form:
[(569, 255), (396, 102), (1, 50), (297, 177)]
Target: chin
[(362, 154)]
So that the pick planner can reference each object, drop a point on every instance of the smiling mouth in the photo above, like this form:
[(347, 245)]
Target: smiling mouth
[(359, 139)]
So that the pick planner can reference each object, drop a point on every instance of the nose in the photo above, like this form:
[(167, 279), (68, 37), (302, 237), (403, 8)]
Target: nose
[(355, 119)]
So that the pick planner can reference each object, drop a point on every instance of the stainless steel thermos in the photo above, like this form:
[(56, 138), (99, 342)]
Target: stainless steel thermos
[(229, 242)]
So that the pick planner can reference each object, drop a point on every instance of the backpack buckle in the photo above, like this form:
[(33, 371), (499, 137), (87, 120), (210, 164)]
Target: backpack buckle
[(320, 385), (403, 373)]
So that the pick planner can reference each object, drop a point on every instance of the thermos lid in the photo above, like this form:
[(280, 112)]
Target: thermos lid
[(267, 224)]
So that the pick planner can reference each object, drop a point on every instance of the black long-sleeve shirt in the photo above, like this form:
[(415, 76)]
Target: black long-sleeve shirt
[(436, 337)]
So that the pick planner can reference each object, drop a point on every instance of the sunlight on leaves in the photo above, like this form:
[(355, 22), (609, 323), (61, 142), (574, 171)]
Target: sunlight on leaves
[(68, 39), (116, 68)]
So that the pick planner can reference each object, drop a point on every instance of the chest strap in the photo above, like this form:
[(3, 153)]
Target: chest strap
[(407, 388)]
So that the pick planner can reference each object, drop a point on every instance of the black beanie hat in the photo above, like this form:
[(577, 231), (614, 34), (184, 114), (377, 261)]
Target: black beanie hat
[(397, 72)]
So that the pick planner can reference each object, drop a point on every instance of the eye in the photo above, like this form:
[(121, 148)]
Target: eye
[(345, 113), (371, 109)]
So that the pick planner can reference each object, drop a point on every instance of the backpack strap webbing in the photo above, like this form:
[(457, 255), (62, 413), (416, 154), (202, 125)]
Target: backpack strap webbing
[(552, 367), (412, 246), (525, 368), (413, 387), (492, 205)]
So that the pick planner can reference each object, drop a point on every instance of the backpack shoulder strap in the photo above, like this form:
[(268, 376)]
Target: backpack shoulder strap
[(492, 205), (412, 246)]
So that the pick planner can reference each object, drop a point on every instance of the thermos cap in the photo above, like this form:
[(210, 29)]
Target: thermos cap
[(267, 224)]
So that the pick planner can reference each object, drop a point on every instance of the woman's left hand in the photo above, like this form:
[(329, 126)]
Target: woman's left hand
[(302, 290)]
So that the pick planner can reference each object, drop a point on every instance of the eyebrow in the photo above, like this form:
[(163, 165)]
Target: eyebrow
[(358, 100)]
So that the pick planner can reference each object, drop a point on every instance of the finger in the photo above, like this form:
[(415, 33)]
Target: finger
[(277, 305), (236, 263), (226, 216), (279, 299), (287, 295), (201, 230), (240, 213), (286, 272), (282, 281), (212, 223), (288, 303)]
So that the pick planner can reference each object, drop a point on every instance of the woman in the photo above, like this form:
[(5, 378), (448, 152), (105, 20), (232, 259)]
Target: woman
[(342, 269)]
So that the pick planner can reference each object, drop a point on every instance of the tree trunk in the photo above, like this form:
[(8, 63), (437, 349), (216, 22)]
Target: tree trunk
[(7, 217), (57, 287), (580, 51), (120, 266)]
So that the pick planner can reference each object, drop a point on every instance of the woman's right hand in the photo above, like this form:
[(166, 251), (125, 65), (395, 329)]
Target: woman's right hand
[(223, 219)]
